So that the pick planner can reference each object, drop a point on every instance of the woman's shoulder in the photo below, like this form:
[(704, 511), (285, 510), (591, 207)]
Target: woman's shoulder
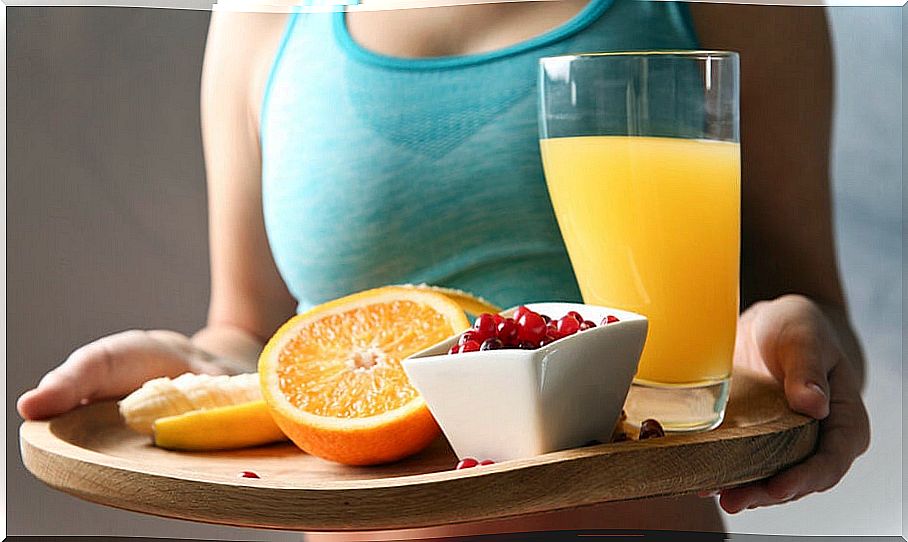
[(238, 57)]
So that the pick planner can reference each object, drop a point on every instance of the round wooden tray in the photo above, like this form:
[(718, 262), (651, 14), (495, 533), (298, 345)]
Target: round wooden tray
[(91, 454)]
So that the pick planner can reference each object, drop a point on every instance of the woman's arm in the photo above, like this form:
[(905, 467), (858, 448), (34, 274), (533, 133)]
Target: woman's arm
[(795, 326), (248, 297)]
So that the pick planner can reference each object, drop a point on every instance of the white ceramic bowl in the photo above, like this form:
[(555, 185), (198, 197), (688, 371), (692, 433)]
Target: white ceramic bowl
[(509, 404)]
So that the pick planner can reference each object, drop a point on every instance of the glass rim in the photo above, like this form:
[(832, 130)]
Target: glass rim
[(694, 54)]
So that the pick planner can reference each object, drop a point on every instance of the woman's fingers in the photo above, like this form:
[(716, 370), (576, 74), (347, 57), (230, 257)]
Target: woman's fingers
[(796, 343), (844, 435), (107, 368), (70, 384)]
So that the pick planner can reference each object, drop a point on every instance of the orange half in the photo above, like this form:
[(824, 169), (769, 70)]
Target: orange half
[(333, 380)]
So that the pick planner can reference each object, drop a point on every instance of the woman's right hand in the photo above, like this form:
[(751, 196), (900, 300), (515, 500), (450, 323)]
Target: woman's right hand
[(112, 367)]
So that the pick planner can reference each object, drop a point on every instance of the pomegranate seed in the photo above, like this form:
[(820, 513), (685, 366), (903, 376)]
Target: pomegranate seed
[(521, 310), (454, 349), (576, 316), (546, 318), (498, 319), (568, 325), (531, 327), (609, 320), (470, 335), (507, 331), (249, 474), (651, 429), (491, 344), (486, 462), (470, 346), (485, 326), (586, 324), (466, 463)]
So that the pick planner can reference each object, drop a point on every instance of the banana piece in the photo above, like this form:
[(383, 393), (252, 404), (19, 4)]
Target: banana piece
[(163, 397), (221, 428)]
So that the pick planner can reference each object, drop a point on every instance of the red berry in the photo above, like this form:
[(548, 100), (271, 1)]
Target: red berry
[(466, 463), (576, 316), (531, 327), (486, 462), (454, 349), (470, 346), (507, 331), (470, 335), (609, 320), (586, 324), (485, 326), (568, 326), (249, 474), (491, 344)]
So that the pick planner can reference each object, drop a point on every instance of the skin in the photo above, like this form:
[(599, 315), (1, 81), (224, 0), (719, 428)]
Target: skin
[(795, 326)]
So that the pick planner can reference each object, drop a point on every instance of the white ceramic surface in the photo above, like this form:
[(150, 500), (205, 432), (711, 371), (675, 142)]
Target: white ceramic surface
[(508, 404)]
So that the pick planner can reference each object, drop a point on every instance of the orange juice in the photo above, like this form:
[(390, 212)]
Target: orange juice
[(652, 226)]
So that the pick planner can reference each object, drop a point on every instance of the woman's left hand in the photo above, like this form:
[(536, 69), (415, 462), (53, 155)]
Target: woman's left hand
[(794, 341)]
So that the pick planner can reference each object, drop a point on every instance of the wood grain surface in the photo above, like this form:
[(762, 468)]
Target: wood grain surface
[(89, 453)]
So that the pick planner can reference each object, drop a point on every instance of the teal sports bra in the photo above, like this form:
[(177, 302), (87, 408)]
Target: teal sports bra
[(380, 170)]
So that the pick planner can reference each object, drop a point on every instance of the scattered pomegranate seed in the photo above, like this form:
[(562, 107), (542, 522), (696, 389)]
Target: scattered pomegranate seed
[(507, 331), (530, 327), (491, 344), (609, 320), (486, 462), (454, 349), (586, 324), (470, 346), (485, 326), (249, 474), (576, 316), (466, 463), (568, 326), (651, 429)]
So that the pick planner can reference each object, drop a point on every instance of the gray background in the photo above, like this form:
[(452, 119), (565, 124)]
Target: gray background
[(106, 231)]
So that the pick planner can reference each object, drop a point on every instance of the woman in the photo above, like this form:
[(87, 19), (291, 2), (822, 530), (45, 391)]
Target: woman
[(349, 151)]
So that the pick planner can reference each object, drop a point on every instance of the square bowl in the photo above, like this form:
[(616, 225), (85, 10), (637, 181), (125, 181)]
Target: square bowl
[(509, 404)]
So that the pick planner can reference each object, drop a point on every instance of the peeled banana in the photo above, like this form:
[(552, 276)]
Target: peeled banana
[(163, 397)]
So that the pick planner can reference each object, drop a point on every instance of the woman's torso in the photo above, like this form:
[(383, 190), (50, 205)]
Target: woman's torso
[(379, 169)]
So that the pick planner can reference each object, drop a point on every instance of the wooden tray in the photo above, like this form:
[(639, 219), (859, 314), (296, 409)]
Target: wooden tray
[(91, 454)]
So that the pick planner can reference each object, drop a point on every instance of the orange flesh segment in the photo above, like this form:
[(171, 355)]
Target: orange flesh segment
[(347, 365)]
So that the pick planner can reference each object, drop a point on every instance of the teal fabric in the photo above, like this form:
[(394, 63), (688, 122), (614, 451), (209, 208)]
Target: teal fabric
[(380, 170)]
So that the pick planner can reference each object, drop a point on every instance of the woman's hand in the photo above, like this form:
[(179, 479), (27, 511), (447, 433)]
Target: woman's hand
[(793, 340), (112, 367)]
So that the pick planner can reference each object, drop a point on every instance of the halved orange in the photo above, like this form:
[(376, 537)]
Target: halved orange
[(333, 380)]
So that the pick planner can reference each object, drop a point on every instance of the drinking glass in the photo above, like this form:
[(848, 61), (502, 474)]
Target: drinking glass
[(642, 161)]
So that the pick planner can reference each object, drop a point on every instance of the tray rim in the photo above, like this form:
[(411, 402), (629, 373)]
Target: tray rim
[(47, 455)]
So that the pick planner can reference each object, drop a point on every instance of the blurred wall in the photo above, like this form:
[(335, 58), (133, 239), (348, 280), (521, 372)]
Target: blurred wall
[(106, 231)]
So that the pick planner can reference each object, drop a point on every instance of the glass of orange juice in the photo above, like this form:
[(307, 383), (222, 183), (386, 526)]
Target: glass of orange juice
[(642, 160)]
